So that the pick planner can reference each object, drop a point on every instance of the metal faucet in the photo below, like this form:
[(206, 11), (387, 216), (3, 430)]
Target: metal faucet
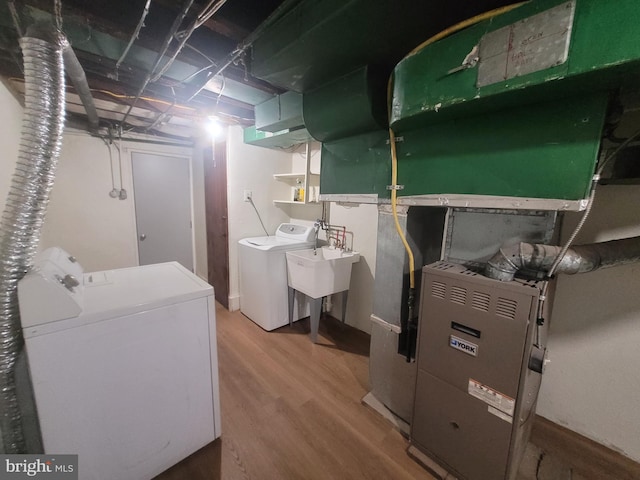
[(316, 227)]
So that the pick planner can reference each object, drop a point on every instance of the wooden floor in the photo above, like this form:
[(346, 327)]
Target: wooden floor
[(292, 409)]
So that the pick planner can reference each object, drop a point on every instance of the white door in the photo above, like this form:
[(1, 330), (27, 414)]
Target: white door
[(162, 189)]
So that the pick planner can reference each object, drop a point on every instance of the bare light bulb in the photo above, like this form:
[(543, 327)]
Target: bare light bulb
[(213, 127)]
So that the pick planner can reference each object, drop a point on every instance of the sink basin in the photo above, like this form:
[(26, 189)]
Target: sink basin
[(324, 273)]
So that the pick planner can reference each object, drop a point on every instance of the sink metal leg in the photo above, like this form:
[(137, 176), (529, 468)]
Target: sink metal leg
[(316, 309), (345, 296), (292, 295)]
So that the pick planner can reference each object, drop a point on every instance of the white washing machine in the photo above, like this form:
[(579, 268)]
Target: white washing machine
[(123, 364), (263, 275)]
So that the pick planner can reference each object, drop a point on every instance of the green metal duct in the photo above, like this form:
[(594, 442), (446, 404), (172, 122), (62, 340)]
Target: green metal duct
[(504, 126), (603, 53), (356, 165), (348, 106), (547, 150), (510, 108), (279, 113), (523, 122), (283, 139), (319, 41)]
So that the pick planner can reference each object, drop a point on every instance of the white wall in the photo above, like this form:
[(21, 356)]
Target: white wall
[(98, 230), (251, 168), (362, 222), (592, 385), (82, 218)]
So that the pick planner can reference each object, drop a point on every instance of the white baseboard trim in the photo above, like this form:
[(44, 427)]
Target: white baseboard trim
[(234, 303)]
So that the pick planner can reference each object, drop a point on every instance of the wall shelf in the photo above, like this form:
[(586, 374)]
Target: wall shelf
[(292, 202), (288, 176), (310, 181)]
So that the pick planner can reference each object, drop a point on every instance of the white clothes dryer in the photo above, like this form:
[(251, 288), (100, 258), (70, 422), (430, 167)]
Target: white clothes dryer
[(123, 364)]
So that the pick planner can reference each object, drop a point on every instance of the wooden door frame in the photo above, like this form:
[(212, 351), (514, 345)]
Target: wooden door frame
[(216, 214)]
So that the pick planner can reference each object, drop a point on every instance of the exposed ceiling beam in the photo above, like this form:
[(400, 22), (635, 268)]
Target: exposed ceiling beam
[(227, 29), (100, 30)]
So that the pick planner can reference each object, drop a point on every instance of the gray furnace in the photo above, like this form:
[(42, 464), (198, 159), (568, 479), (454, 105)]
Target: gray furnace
[(479, 362)]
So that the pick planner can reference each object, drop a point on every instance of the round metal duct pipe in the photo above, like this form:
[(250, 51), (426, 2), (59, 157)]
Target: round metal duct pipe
[(579, 259), (23, 216)]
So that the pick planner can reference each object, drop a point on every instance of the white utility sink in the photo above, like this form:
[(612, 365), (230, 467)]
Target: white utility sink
[(321, 273)]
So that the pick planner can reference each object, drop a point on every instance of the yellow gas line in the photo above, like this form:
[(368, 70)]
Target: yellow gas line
[(392, 138)]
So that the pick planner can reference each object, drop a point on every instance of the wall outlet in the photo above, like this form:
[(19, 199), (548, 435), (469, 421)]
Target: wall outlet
[(247, 195)]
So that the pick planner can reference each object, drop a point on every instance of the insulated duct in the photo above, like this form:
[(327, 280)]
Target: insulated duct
[(79, 79), (23, 216), (579, 259)]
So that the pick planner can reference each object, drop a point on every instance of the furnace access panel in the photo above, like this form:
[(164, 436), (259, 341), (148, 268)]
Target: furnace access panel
[(475, 395)]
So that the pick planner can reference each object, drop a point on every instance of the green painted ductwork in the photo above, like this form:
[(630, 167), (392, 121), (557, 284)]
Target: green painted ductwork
[(348, 106), (547, 150), (603, 53), (317, 42), (511, 107), (499, 129), (349, 117), (283, 139), (357, 165)]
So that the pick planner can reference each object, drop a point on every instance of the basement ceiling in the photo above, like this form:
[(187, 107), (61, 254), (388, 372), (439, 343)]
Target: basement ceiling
[(298, 44)]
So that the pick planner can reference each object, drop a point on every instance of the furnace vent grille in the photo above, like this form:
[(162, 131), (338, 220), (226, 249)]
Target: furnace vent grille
[(481, 301), (458, 295), (442, 266), (506, 308), (438, 290)]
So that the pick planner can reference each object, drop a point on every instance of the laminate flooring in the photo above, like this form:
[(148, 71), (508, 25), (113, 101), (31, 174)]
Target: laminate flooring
[(292, 409)]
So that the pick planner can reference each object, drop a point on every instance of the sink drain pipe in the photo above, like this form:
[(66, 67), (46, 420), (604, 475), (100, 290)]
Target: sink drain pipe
[(27, 200)]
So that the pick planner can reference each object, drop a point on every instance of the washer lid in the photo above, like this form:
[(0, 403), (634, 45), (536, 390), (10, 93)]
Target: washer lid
[(274, 244), (125, 291), (262, 241)]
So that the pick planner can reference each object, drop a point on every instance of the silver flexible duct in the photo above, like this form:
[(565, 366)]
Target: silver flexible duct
[(23, 216), (579, 259)]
